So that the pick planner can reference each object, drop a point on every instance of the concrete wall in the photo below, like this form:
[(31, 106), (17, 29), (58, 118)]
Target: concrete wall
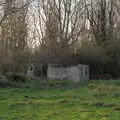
[(73, 73), (31, 71)]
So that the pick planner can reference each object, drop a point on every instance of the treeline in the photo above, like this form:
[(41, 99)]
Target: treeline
[(60, 31)]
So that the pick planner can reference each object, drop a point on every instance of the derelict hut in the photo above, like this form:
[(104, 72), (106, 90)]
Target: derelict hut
[(68, 69), (38, 70), (61, 68), (75, 73)]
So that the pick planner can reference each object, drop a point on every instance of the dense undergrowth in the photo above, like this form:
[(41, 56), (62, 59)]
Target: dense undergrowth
[(20, 81)]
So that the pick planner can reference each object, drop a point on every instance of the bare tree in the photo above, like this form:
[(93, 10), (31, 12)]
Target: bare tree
[(58, 24), (14, 32), (104, 19)]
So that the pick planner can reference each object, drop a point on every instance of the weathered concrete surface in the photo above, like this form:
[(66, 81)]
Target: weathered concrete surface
[(31, 71), (73, 73)]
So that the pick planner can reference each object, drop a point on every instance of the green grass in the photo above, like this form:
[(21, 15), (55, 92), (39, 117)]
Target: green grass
[(97, 101)]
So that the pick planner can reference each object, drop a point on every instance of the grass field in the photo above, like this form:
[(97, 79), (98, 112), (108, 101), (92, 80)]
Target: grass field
[(97, 101)]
